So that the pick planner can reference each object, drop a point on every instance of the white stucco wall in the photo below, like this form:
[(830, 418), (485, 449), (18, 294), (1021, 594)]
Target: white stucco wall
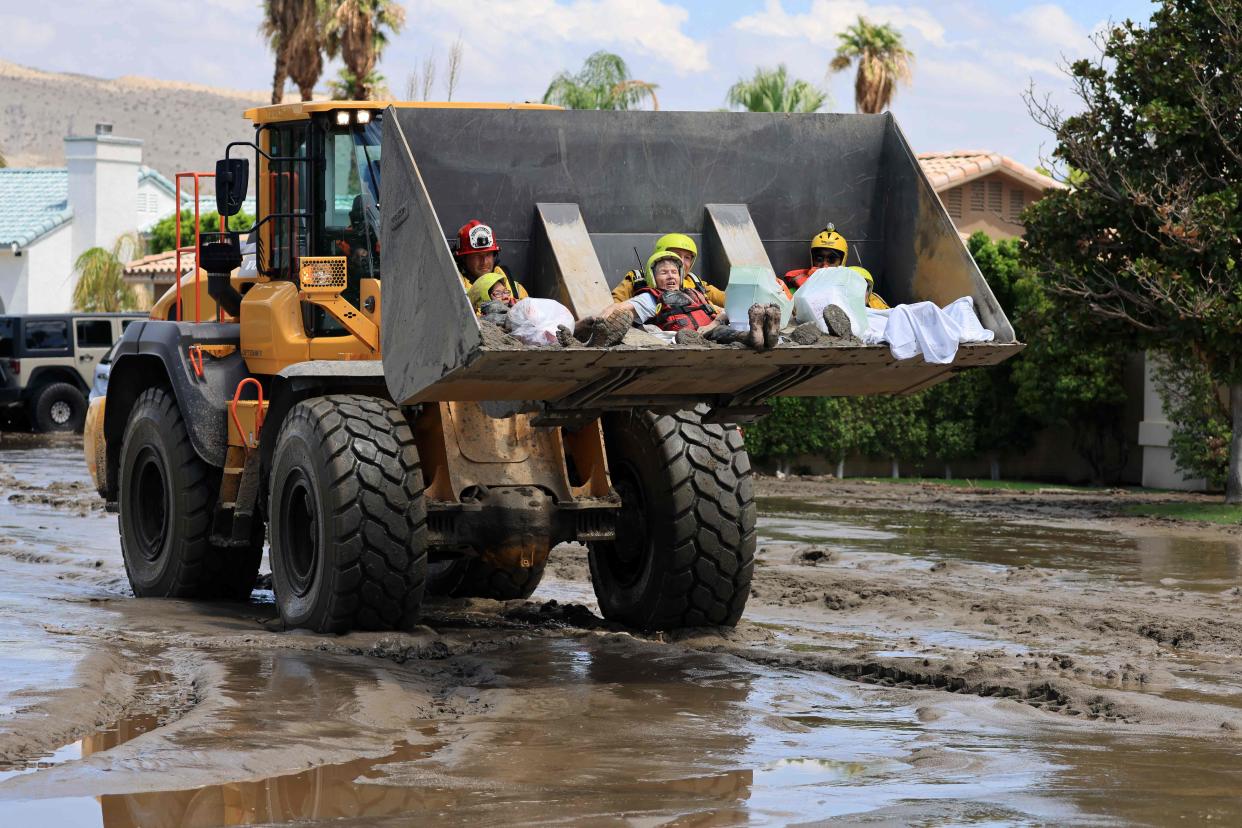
[(12, 282), (1159, 469), (49, 283), (103, 188)]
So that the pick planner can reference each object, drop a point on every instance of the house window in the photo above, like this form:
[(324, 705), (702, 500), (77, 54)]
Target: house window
[(977, 197), (1017, 202), (953, 202), (996, 197)]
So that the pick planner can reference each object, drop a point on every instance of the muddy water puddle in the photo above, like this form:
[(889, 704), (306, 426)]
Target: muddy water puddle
[(1178, 561), (598, 731), (582, 728), (585, 731)]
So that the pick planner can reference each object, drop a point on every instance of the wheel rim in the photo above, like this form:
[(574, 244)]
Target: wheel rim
[(627, 556), (150, 496), (60, 412), (299, 533)]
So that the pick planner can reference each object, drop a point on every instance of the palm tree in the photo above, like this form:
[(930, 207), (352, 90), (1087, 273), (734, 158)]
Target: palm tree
[(603, 83), (882, 61), (771, 91), (101, 283), (358, 31)]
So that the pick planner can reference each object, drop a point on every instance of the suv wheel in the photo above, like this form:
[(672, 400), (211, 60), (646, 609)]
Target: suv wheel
[(58, 407)]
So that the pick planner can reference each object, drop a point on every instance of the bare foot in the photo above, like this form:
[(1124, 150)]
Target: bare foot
[(838, 321), (771, 326), (757, 316)]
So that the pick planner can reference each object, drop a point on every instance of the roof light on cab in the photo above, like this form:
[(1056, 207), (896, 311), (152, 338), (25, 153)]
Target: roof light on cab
[(342, 117), (362, 116)]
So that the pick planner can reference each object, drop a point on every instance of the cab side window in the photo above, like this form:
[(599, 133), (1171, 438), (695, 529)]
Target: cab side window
[(287, 188)]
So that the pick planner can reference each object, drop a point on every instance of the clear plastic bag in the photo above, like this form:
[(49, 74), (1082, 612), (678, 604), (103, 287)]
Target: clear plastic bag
[(838, 286), (534, 321)]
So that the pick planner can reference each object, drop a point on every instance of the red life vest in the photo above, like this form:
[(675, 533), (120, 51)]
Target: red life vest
[(699, 313), (795, 278)]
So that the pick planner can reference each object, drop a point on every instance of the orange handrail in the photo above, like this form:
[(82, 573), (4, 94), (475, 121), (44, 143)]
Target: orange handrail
[(197, 177), (258, 415)]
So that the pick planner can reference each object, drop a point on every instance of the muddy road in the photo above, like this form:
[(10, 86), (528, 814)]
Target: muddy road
[(909, 654)]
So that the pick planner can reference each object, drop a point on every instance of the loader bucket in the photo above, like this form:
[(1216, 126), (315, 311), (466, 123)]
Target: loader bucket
[(571, 194)]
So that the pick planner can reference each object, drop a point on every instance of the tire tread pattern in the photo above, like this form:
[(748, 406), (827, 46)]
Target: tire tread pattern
[(203, 570), (482, 580), (379, 523), (712, 558)]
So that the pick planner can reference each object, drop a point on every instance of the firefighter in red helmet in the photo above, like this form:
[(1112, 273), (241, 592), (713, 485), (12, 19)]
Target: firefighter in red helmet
[(476, 254)]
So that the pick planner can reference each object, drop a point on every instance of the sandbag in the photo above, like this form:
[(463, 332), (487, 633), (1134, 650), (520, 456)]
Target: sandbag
[(534, 321), (838, 286)]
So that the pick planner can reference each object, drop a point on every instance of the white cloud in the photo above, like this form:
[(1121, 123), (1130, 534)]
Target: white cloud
[(1050, 25), (29, 33), (654, 27), (821, 23)]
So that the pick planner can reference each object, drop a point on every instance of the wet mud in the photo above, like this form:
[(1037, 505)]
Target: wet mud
[(908, 655)]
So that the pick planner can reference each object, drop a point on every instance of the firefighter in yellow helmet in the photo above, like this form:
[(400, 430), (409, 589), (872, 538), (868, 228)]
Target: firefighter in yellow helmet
[(874, 300), (828, 249), (688, 252)]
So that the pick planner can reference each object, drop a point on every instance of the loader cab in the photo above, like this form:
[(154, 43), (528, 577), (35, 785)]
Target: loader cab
[(319, 197)]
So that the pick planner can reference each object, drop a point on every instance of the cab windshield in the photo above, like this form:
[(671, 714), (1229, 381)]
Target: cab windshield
[(351, 189)]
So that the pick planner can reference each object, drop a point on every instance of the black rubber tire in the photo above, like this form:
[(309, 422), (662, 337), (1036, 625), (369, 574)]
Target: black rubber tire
[(685, 547), (58, 406), (475, 578), (348, 519), (167, 495)]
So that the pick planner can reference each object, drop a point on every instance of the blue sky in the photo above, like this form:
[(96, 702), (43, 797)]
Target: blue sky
[(973, 58)]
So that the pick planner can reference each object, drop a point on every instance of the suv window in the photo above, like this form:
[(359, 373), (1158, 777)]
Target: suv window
[(47, 334), (6, 337), (94, 333)]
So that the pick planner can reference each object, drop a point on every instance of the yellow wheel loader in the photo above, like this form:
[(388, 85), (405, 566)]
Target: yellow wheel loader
[(386, 443)]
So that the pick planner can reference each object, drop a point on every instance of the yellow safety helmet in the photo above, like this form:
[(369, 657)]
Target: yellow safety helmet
[(660, 256), (678, 241), (830, 239), (863, 272), (481, 290)]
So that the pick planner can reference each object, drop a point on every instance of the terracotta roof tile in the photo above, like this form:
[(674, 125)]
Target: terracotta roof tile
[(948, 169), (158, 264)]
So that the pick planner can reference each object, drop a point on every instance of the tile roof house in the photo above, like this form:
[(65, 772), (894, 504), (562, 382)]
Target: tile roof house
[(984, 190), (49, 216), (152, 275)]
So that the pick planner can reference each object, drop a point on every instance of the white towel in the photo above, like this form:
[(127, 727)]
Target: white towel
[(923, 328)]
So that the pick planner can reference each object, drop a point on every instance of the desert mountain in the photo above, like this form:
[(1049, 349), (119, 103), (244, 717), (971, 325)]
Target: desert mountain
[(183, 126)]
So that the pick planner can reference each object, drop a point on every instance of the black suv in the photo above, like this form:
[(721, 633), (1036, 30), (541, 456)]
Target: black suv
[(47, 363)]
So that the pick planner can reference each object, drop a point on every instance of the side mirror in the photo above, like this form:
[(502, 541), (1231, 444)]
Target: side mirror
[(232, 181)]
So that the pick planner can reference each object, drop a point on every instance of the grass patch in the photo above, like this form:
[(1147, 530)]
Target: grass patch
[(985, 483), (1220, 513)]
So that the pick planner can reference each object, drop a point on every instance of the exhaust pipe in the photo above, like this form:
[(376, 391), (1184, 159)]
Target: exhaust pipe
[(220, 259)]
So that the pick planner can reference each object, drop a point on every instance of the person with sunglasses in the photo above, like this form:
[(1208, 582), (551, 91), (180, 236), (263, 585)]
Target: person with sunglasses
[(828, 249)]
